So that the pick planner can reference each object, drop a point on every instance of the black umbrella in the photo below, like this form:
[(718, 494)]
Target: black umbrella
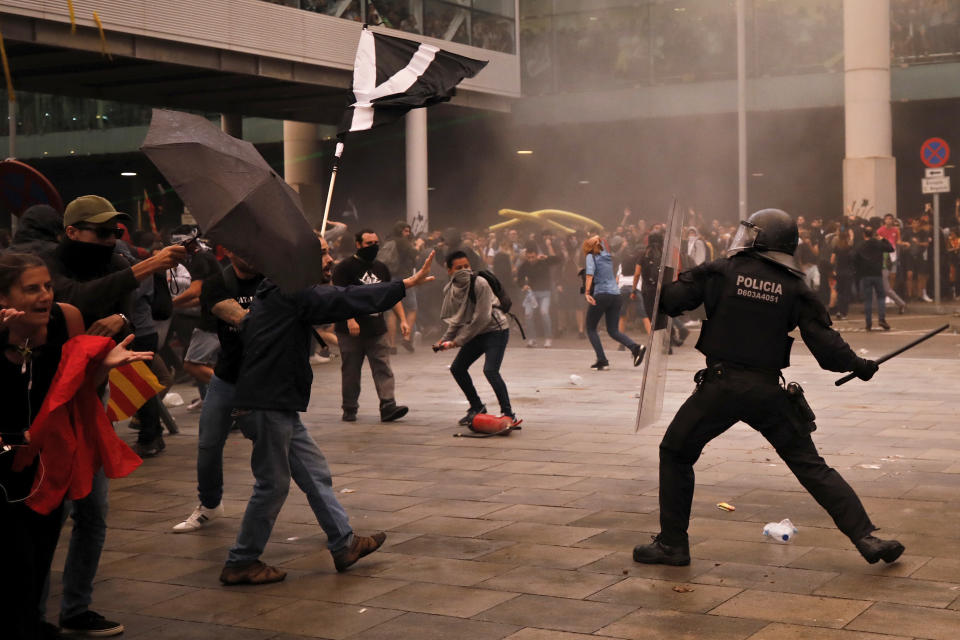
[(237, 199)]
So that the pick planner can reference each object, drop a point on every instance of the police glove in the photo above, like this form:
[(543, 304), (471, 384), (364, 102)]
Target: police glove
[(865, 369)]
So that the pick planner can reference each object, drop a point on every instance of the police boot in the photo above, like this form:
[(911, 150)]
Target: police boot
[(873, 549), (659, 553)]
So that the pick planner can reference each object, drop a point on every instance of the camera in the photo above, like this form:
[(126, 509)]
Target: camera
[(191, 243)]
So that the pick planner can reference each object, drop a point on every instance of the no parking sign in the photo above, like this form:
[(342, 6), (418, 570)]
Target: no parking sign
[(935, 152)]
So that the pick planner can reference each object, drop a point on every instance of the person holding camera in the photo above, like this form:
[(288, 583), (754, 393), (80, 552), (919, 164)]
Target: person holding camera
[(90, 274)]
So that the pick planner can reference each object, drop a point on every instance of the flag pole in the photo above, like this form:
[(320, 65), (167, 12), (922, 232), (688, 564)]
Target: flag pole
[(333, 180)]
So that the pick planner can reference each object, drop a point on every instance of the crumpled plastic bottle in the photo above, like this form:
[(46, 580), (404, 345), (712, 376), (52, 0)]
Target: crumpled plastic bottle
[(782, 531)]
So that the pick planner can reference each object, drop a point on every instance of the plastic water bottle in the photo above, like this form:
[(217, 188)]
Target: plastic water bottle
[(782, 531)]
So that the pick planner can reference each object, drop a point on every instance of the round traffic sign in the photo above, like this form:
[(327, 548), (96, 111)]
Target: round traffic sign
[(22, 186), (935, 152)]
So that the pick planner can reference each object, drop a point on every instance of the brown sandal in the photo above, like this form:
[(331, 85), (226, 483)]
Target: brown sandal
[(256, 573)]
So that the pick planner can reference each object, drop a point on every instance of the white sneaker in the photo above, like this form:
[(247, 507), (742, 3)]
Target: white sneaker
[(195, 406), (888, 300), (199, 518), (319, 359), (926, 298), (531, 343), (547, 343)]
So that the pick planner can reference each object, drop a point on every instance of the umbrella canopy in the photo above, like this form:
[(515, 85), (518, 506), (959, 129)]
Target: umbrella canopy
[(236, 198)]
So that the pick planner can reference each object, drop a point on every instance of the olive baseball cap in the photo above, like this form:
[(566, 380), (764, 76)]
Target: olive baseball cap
[(92, 209)]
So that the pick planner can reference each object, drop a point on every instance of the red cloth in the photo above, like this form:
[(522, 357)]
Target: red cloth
[(71, 431)]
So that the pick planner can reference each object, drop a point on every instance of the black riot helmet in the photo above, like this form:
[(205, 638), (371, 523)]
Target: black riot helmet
[(772, 235), (767, 230)]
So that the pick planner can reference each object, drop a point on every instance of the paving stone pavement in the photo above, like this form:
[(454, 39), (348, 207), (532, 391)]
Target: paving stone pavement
[(529, 537)]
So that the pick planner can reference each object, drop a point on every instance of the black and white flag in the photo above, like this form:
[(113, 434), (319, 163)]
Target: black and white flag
[(393, 75)]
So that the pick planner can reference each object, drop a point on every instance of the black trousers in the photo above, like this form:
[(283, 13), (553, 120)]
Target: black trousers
[(28, 540), (491, 345), (149, 413), (722, 400)]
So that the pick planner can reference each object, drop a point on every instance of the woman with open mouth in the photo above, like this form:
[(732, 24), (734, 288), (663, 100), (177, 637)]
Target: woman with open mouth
[(33, 331)]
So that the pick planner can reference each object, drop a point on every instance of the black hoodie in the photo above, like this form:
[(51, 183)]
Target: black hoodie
[(275, 374), (37, 231)]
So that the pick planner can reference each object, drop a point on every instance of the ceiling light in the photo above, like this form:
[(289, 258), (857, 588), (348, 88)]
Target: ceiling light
[(128, 174), (584, 182), (524, 152)]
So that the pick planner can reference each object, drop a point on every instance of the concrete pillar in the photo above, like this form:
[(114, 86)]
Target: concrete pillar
[(302, 168), (869, 169), (232, 124), (416, 141)]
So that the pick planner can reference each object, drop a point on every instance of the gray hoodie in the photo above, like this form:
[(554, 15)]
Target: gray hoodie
[(467, 319)]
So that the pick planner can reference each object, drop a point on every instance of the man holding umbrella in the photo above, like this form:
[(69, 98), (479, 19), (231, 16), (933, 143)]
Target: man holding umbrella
[(273, 386)]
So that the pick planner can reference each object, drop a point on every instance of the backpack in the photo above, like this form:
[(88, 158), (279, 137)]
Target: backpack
[(502, 296), (505, 303)]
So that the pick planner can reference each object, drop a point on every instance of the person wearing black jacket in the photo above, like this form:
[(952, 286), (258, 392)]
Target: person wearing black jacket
[(272, 388), (753, 300), (38, 232), (869, 267), (89, 274)]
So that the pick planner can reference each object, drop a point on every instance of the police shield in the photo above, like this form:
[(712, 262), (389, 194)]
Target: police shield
[(654, 365)]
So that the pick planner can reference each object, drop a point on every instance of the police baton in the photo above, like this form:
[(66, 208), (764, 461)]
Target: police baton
[(893, 354)]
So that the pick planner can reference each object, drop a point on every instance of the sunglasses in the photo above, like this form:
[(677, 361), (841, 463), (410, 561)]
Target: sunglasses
[(102, 232)]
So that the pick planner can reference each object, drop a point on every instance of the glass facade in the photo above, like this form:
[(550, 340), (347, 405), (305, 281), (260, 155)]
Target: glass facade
[(925, 31), (588, 45), (488, 24), (39, 113)]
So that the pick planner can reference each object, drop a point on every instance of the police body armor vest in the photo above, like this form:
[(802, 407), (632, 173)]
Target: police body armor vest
[(752, 315)]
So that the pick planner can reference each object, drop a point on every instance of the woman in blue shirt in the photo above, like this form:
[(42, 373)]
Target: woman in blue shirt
[(603, 297)]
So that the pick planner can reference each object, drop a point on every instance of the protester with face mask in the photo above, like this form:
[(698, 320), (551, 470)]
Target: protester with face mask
[(479, 328), (366, 336), (89, 274)]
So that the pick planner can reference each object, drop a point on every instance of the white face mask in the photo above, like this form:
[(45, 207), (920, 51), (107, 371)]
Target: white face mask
[(462, 276)]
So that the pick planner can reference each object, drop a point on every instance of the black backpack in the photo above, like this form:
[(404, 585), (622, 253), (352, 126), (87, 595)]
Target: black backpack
[(505, 303), (498, 290)]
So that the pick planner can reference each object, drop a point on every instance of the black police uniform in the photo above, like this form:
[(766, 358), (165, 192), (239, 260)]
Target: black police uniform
[(752, 304)]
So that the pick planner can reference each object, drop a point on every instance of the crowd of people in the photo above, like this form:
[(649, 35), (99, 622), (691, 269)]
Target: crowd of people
[(170, 294)]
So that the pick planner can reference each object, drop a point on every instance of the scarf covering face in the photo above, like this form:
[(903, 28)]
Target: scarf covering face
[(455, 293)]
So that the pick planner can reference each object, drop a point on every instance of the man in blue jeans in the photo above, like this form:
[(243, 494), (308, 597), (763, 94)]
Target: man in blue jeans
[(226, 296), (271, 391), (869, 266), (534, 277), (478, 327)]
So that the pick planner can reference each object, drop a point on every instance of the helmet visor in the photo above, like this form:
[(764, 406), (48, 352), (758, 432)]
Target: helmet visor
[(745, 237)]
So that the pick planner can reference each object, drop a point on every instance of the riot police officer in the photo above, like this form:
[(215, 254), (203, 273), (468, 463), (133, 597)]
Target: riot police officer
[(753, 299)]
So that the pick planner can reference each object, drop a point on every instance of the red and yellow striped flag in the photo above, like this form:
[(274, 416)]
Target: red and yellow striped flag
[(130, 387)]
